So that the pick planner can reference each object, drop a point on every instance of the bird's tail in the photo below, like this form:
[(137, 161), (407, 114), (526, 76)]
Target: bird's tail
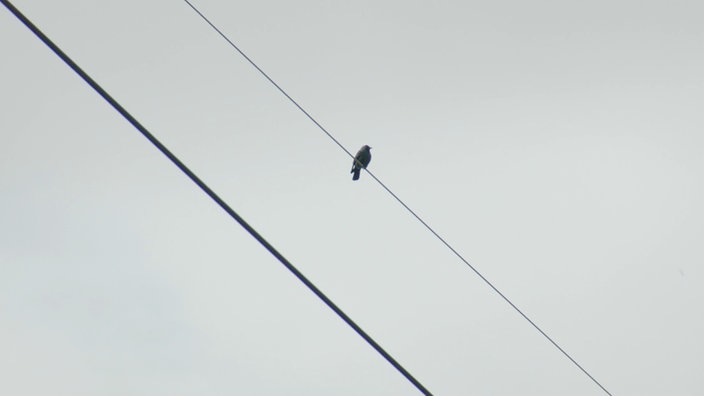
[(356, 173)]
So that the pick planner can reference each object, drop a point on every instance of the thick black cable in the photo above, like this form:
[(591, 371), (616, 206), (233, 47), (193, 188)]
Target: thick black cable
[(211, 194), (397, 198)]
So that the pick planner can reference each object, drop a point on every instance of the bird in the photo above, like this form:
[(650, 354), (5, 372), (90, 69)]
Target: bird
[(361, 160)]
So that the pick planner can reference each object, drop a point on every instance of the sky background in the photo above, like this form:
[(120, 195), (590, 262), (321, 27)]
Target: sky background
[(556, 145)]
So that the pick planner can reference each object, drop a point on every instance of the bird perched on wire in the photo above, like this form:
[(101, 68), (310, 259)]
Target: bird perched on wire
[(361, 160)]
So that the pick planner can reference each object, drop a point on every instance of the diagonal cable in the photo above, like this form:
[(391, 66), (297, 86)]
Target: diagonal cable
[(211, 194), (399, 199)]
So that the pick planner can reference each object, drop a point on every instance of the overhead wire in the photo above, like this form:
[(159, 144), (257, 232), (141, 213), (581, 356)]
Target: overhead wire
[(203, 186), (411, 211)]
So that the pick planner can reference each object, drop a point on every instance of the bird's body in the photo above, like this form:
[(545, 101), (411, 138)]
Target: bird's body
[(361, 160)]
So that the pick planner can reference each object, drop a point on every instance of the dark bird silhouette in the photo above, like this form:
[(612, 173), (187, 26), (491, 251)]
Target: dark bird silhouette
[(361, 160)]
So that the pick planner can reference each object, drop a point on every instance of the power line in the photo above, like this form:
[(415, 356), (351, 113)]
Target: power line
[(399, 199), (212, 194)]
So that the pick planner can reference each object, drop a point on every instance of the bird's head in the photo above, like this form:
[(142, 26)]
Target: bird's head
[(367, 147)]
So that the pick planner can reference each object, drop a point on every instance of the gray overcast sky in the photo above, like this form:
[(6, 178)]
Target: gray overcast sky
[(557, 145)]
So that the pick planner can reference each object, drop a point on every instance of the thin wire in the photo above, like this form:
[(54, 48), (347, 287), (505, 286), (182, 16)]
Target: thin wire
[(211, 193), (399, 199), (269, 78)]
